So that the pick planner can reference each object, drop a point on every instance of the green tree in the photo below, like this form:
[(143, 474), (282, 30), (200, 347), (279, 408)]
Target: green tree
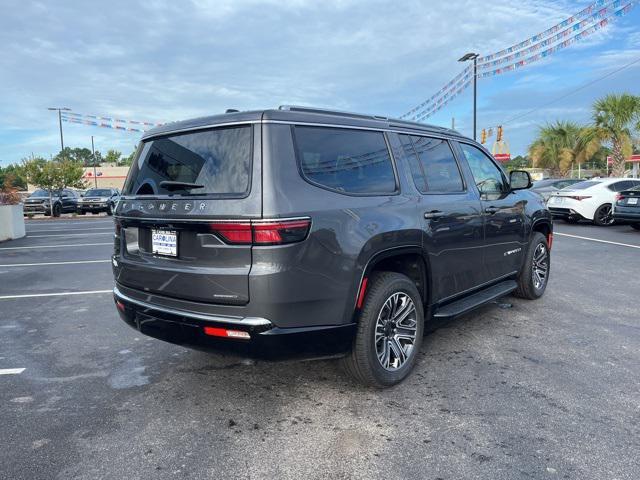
[(562, 144), (113, 156), (16, 174), (54, 175), (83, 156), (615, 118), (128, 160)]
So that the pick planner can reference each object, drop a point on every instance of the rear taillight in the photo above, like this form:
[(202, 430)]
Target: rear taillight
[(262, 232), (619, 197), (579, 197), (118, 228)]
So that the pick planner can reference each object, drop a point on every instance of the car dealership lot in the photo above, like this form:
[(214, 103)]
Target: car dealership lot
[(546, 389)]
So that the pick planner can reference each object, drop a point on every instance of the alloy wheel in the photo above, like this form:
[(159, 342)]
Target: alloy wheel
[(540, 268), (605, 215), (395, 332)]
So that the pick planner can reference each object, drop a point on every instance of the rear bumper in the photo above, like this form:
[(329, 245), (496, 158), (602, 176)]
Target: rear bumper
[(626, 214), (557, 212), (266, 340)]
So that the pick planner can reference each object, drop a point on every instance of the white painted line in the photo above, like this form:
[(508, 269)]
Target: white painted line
[(57, 246), (11, 371), (57, 294), (53, 263), (596, 240), (69, 235), (68, 230)]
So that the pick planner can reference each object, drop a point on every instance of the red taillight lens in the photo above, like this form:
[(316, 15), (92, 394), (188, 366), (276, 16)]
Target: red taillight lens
[(279, 232), (236, 233), (262, 232), (118, 228), (580, 197), (619, 197)]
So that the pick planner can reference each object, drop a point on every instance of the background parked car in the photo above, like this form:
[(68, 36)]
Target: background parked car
[(548, 186), (98, 200), (590, 200), (61, 201), (627, 207)]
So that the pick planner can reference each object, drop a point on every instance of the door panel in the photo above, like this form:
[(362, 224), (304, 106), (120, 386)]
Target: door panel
[(503, 212), (452, 238)]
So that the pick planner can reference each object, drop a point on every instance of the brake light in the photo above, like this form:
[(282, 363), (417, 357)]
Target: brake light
[(550, 240), (619, 197), (262, 232), (579, 197), (236, 233), (118, 228)]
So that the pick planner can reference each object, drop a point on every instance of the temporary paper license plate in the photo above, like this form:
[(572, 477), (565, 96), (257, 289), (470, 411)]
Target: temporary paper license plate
[(632, 201), (164, 242)]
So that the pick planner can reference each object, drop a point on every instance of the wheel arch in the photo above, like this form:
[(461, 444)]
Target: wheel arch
[(407, 260)]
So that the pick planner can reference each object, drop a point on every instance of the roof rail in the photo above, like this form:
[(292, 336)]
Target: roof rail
[(296, 108)]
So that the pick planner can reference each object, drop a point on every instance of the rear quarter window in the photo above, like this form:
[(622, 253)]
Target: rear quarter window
[(344, 160)]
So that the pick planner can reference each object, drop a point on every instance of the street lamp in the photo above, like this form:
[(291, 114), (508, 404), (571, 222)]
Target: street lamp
[(60, 109), (466, 58)]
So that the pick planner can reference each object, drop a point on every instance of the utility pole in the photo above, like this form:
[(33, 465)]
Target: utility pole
[(60, 109), (95, 175), (453, 123), (474, 57)]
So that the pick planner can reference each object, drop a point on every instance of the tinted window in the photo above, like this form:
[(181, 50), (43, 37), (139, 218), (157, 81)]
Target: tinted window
[(350, 161), (624, 185), (544, 183), (219, 160), (433, 165), (98, 192), (486, 174), (582, 185)]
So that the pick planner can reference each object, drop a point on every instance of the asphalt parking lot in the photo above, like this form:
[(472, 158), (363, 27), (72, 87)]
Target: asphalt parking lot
[(545, 389)]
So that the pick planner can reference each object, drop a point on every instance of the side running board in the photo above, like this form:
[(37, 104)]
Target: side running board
[(476, 300)]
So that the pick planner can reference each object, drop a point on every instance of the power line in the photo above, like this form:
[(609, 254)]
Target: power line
[(562, 97)]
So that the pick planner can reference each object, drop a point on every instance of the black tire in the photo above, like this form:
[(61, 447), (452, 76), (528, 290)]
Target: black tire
[(571, 220), (110, 209), (635, 226), (363, 363), (603, 216), (527, 282), (57, 210)]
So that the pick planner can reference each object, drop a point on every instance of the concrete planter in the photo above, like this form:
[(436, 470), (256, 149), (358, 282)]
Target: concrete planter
[(11, 222)]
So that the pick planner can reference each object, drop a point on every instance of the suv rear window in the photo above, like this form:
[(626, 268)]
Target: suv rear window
[(344, 160), (217, 160)]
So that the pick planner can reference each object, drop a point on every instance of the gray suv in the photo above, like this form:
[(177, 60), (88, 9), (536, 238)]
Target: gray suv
[(310, 233)]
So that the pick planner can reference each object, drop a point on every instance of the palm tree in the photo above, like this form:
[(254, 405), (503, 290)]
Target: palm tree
[(614, 118), (562, 144)]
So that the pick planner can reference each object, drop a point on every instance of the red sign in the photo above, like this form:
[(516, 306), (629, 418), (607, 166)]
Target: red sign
[(502, 157), (634, 159)]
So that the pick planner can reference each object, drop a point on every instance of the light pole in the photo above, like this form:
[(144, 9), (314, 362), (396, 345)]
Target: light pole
[(60, 109), (95, 176), (466, 58)]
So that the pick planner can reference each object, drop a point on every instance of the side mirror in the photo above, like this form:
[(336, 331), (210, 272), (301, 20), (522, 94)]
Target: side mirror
[(520, 180)]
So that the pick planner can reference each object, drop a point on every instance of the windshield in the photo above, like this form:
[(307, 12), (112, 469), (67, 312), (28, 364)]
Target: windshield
[(543, 183), (211, 162), (98, 192), (42, 194), (582, 185)]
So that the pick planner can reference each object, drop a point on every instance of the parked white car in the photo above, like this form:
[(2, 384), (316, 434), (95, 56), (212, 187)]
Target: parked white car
[(589, 200)]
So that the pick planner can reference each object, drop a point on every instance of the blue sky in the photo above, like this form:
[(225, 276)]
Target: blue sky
[(163, 61)]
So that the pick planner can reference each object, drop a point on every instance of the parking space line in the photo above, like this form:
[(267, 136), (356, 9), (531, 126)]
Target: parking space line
[(11, 371), (57, 246), (69, 234), (67, 230), (53, 263), (596, 240), (57, 294)]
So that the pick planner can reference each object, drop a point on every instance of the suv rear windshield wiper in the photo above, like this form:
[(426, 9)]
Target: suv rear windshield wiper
[(169, 185)]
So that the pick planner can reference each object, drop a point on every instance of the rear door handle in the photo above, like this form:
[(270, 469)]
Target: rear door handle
[(491, 210), (433, 214)]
